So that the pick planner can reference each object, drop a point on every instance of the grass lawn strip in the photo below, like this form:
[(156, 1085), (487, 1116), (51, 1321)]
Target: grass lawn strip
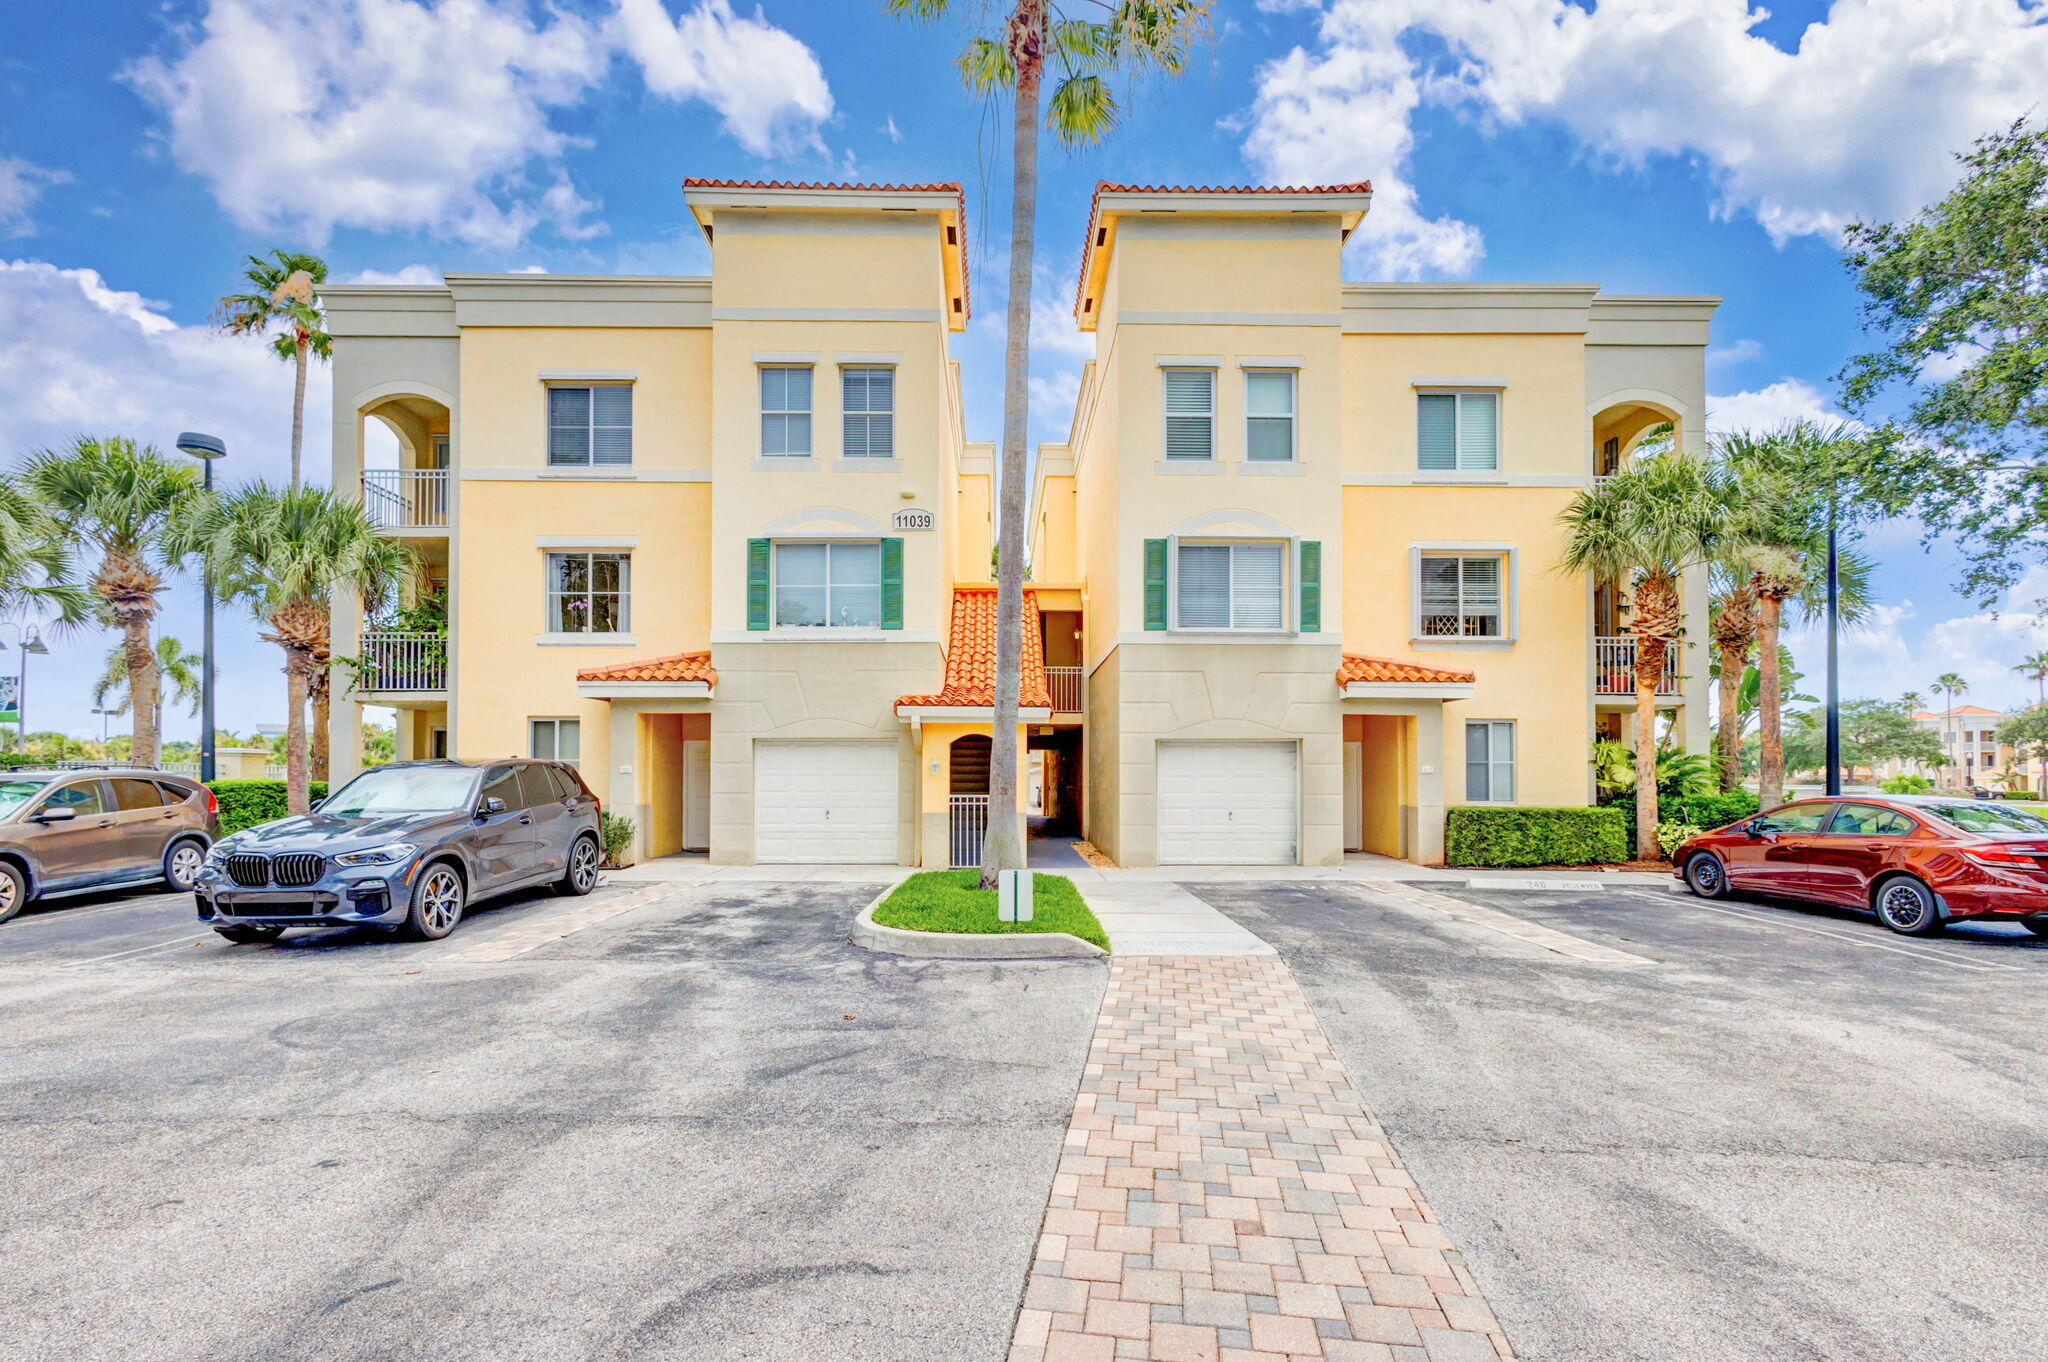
[(947, 901)]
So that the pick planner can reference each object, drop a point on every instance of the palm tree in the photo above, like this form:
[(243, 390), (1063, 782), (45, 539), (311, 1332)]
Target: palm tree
[(1781, 482), (2035, 669), (37, 575), (1133, 35), (174, 667), (125, 500), (1955, 687), (1645, 528), (284, 552), (283, 302), (1734, 607)]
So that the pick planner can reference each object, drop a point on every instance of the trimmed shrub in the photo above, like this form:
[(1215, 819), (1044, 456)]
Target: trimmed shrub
[(1707, 811), (245, 803), (1481, 835), (617, 833)]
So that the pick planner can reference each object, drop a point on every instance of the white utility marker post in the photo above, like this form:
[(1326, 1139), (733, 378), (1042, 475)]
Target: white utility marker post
[(1013, 896)]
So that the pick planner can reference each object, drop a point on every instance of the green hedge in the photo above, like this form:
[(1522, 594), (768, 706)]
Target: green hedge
[(1485, 836), (1706, 812), (245, 803)]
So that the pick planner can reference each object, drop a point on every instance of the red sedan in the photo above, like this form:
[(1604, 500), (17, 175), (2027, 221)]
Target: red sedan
[(1916, 861)]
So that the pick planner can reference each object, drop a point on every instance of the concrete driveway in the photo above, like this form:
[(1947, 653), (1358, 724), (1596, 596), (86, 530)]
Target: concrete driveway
[(1786, 1134), (692, 1124)]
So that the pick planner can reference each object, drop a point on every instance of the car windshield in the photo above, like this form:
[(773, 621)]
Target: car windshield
[(1985, 817), (15, 793), (404, 789)]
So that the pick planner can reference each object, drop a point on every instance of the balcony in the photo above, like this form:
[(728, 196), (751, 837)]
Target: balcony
[(406, 498), (1065, 685), (1614, 667), (397, 663)]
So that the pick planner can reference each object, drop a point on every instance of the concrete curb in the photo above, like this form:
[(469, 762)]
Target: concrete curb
[(872, 935)]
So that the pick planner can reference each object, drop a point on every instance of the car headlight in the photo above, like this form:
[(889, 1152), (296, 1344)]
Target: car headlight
[(219, 852), (390, 854)]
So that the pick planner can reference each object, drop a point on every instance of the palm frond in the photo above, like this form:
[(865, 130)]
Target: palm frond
[(985, 65), (1081, 110)]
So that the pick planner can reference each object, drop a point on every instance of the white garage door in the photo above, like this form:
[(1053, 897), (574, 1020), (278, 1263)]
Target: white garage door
[(1227, 803), (825, 801)]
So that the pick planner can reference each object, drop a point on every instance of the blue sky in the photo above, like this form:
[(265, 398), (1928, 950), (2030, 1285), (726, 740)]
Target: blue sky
[(1685, 146)]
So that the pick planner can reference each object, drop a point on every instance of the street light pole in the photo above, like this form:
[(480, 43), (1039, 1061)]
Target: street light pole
[(1834, 712), (205, 448), (29, 641)]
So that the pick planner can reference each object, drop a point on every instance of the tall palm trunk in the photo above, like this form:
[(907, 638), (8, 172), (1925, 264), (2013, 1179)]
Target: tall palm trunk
[(1728, 728), (1770, 788), (298, 404), (323, 709), (1000, 849), (298, 669), (143, 706), (1657, 621)]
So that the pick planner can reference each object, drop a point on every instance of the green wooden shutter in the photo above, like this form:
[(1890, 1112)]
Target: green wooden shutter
[(1311, 587), (1155, 583), (892, 583), (757, 583)]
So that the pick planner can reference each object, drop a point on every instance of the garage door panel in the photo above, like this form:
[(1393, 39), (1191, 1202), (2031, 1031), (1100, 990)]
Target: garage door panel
[(825, 802), (1223, 803)]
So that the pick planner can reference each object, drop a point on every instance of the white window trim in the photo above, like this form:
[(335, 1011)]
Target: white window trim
[(1500, 427), (1514, 763), (574, 763), (1293, 417), (1290, 586), (1214, 366), (845, 362), (590, 466), (762, 411), (1511, 602), (820, 631), (553, 636)]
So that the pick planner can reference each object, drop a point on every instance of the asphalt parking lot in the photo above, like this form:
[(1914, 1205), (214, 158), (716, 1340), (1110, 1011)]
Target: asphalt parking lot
[(702, 1127), (1786, 1134)]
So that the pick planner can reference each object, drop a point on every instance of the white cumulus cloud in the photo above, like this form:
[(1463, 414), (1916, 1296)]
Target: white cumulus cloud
[(1789, 399), (765, 84), (21, 184)]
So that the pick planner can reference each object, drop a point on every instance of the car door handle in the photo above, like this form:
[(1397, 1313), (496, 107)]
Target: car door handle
[(104, 823), (524, 821)]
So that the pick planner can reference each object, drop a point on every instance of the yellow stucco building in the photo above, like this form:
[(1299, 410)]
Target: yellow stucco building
[(720, 540)]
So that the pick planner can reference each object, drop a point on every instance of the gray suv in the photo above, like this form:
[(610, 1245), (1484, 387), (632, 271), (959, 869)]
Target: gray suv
[(406, 847), (68, 832)]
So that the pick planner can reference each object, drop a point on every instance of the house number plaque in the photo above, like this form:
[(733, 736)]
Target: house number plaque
[(911, 518)]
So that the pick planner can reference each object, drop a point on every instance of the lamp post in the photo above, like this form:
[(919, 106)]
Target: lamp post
[(205, 448), (1834, 711), (31, 643), (106, 718)]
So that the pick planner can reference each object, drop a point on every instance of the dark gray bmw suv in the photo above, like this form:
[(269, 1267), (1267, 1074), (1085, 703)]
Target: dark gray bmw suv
[(407, 847)]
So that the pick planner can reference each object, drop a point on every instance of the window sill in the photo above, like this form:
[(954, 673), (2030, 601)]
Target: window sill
[(1476, 645), (846, 464), (1487, 477), (587, 640), (569, 470), (1187, 466), (1273, 468), (782, 463), (1225, 632), (841, 635)]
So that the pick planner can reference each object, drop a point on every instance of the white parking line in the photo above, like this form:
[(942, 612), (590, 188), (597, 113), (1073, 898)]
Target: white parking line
[(1915, 952), (139, 950)]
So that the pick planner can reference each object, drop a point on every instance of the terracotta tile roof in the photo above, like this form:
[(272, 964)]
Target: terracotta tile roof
[(971, 655), (1110, 187), (936, 187), (676, 667), (1386, 670)]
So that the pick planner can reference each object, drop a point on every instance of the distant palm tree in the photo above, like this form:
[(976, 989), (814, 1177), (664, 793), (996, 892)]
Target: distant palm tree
[(2035, 669), (125, 500), (284, 302), (285, 553), (175, 668), (1734, 629), (1130, 35), (1955, 687), (37, 574), (1646, 528)]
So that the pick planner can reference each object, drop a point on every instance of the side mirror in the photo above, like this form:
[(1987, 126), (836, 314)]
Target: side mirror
[(1754, 828), (314, 807), (490, 806), (55, 816)]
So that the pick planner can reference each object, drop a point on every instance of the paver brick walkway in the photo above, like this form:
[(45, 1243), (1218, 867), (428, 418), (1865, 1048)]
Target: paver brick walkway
[(1225, 1196)]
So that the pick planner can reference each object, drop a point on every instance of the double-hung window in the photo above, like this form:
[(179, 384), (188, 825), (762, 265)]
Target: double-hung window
[(1457, 432), (555, 740), (867, 412), (1490, 762), (1231, 586), (590, 426), (589, 593), (1190, 413), (786, 411), (1269, 415), (1462, 596), (831, 585)]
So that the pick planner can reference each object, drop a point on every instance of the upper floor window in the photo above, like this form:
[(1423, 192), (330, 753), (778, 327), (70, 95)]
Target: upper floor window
[(867, 408), (1490, 762), (1461, 596), (589, 593), (1190, 413), (786, 411), (1231, 586), (1457, 432), (835, 585), (590, 426), (1269, 415)]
